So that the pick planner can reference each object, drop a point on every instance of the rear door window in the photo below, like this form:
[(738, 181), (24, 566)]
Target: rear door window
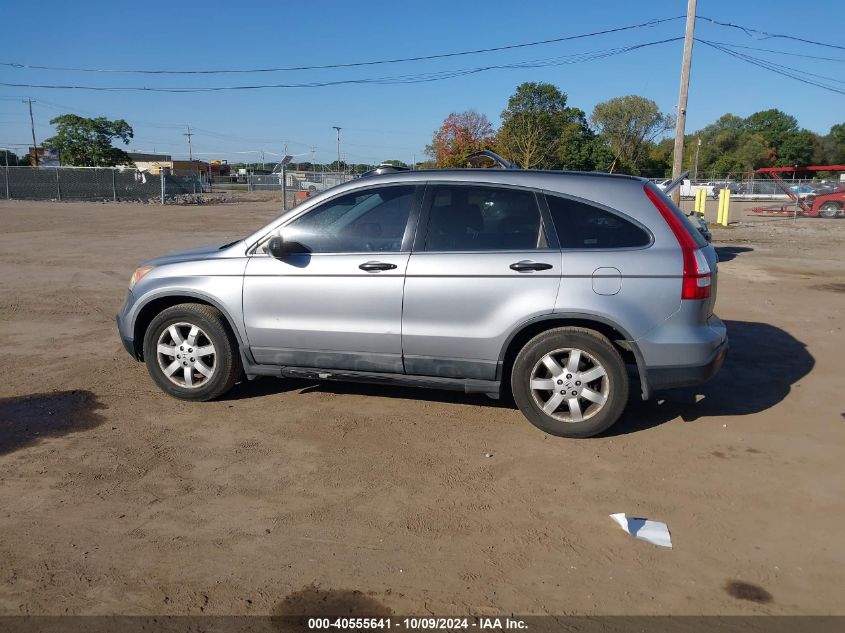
[(469, 218), (582, 225)]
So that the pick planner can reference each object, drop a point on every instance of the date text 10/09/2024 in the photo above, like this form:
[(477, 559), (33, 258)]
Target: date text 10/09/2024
[(412, 624)]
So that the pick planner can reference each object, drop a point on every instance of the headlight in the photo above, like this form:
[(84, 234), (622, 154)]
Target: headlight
[(139, 274)]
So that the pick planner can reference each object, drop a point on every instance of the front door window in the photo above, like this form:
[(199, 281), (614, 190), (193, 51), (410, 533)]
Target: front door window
[(367, 221)]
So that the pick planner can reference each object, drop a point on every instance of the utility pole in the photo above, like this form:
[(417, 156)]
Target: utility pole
[(32, 127), (681, 120), (337, 129), (189, 134)]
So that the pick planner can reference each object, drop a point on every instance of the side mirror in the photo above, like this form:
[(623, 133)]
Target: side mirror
[(277, 247)]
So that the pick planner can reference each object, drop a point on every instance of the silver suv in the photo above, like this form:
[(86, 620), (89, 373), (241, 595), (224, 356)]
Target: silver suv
[(541, 284)]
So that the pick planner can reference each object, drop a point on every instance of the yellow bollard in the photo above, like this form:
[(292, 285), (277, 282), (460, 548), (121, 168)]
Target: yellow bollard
[(719, 208), (727, 212), (700, 201)]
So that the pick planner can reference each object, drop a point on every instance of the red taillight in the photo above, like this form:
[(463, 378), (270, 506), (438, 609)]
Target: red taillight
[(696, 276)]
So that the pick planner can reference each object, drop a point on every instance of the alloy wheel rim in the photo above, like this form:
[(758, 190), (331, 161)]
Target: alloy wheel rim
[(186, 355), (570, 385)]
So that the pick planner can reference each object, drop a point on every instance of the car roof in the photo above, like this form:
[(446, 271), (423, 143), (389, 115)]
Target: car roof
[(494, 175), (596, 186)]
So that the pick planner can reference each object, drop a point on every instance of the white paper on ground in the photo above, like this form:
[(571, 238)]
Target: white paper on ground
[(651, 531)]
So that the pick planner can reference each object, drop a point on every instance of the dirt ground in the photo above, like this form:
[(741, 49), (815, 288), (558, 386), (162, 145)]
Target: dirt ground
[(116, 499)]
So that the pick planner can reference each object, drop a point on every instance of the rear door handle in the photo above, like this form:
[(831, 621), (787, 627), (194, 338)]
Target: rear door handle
[(374, 267), (527, 265)]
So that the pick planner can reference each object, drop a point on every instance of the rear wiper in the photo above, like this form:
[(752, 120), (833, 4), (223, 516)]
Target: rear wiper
[(676, 183)]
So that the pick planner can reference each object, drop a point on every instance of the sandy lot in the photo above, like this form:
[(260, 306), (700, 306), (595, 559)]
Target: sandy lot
[(115, 498)]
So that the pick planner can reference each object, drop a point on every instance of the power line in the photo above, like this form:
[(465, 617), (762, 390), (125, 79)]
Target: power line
[(766, 35), (773, 50), (555, 40), (391, 80), (785, 71)]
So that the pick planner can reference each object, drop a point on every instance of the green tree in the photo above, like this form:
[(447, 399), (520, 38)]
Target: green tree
[(630, 124), (461, 134), (798, 148), (834, 145), (88, 142), (539, 130), (658, 162), (581, 149), (532, 125), (13, 160), (753, 152), (719, 143), (774, 126), (788, 144)]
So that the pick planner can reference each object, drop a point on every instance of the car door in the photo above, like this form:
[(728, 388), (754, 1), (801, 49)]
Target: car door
[(336, 302), (481, 266)]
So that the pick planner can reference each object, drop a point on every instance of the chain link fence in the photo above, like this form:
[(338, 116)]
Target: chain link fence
[(312, 182), (757, 189), (99, 184), (296, 186)]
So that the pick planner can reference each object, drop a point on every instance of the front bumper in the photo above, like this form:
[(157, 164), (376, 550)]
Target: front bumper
[(128, 343), (683, 376), (123, 326)]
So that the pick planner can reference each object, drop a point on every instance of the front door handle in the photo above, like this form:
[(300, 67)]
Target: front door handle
[(374, 267), (526, 265)]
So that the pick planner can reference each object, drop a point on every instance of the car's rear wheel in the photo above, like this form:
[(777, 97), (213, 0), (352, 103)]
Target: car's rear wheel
[(829, 210), (190, 353), (570, 382)]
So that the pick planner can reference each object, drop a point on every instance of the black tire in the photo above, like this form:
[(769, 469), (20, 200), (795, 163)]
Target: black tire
[(829, 210), (595, 345), (227, 361)]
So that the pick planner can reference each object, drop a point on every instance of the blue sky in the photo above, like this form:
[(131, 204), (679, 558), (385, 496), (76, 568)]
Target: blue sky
[(389, 121)]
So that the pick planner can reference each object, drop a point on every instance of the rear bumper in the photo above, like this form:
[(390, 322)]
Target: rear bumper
[(683, 376)]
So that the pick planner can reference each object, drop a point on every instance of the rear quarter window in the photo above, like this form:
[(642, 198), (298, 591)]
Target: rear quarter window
[(582, 225), (686, 220)]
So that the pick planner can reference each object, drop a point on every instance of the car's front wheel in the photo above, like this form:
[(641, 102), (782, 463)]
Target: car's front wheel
[(189, 352), (570, 382)]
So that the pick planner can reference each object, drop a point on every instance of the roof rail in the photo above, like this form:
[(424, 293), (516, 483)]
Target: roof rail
[(384, 168)]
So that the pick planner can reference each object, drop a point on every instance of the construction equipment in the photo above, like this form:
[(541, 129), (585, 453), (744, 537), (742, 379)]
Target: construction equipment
[(830, 204)]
